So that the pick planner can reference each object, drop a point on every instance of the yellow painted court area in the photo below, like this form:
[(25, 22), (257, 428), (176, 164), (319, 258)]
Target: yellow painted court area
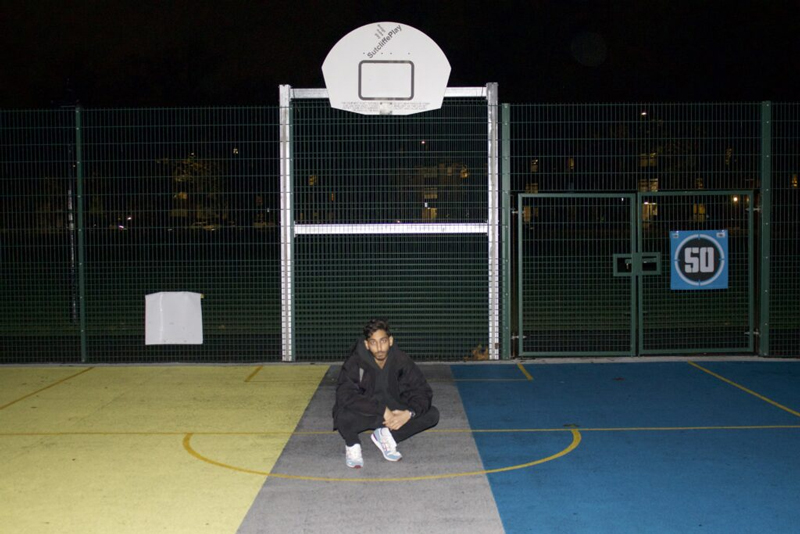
[(101, 449)]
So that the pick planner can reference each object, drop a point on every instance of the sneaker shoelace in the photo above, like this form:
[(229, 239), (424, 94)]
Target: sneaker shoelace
[(387, 441)]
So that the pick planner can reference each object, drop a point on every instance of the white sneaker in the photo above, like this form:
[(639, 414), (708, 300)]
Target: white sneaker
[(352, 456), (382, 438)]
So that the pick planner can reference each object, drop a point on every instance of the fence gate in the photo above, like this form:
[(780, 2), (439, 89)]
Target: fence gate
[(596, 273)]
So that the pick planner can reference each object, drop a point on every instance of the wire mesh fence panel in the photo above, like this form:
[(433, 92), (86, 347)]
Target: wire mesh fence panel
[(351, 169), (183, 200), (573, 300), (390, 220), (784, 260), (674, 319), (39, 264), (433, 288), (634, 147)]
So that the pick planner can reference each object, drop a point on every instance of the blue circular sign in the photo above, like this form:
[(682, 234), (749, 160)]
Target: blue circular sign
[(699, 260)]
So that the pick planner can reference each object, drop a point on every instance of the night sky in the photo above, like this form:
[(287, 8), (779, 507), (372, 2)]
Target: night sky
[(120, 53)]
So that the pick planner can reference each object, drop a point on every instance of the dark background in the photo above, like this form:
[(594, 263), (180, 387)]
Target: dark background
[(178, 53)]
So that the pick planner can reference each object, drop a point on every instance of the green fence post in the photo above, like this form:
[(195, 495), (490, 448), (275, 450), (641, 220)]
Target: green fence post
[(505, 170), (766, 214), (81, 255)]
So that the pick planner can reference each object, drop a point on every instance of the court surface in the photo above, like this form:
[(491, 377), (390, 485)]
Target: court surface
[(654, 446)]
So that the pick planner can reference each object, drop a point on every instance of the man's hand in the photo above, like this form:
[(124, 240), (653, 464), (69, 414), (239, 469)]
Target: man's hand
[(395, 419)]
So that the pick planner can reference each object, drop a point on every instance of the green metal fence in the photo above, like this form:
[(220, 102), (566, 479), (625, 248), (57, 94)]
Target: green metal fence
[(101, 207), (674, 167), (40, 306), (107, 206), (781, 287)]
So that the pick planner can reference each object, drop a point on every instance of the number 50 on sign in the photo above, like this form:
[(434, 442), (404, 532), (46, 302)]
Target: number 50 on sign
[(699, 259)]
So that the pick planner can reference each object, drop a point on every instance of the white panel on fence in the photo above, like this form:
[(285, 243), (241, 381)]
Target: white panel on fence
[(173, 318)]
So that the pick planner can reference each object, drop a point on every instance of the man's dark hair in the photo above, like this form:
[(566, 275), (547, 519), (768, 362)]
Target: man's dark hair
[(374, 325)]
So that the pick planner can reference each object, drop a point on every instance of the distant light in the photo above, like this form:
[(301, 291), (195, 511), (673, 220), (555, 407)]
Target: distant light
[(646, 203), (121, 227), (736, 199), (644, 113), (423, 141), (235, 150), (130, 218)]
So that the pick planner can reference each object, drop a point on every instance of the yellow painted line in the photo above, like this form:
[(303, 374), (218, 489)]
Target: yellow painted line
[(3, 407), (576, 439), (750, 391), (433, 431), (617, 429), (524, 371), (254, 373), (482, 380), (288, 381), (599, 429), (678, 428), (608, 429), (90, 433)]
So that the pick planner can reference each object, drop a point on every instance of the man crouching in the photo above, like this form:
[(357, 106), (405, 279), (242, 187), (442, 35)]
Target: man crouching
[(380, 388)]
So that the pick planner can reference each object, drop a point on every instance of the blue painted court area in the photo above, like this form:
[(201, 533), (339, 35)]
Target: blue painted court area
[(664, 447)]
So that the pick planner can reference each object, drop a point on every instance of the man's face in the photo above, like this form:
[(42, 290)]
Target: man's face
[(378, 344)]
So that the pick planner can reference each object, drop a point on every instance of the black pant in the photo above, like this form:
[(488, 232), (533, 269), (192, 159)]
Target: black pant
[(350, 424)]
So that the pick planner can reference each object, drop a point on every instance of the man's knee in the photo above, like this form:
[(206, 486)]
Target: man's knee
[(343, 418), (347, 418), (432, 416)]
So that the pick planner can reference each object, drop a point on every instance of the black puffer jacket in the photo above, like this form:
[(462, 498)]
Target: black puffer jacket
[(356, 385)]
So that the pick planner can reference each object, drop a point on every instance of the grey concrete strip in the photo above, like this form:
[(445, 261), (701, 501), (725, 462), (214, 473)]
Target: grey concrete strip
[(442, 505)]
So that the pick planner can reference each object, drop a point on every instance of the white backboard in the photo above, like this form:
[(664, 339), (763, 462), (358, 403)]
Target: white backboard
[(386, 68)]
